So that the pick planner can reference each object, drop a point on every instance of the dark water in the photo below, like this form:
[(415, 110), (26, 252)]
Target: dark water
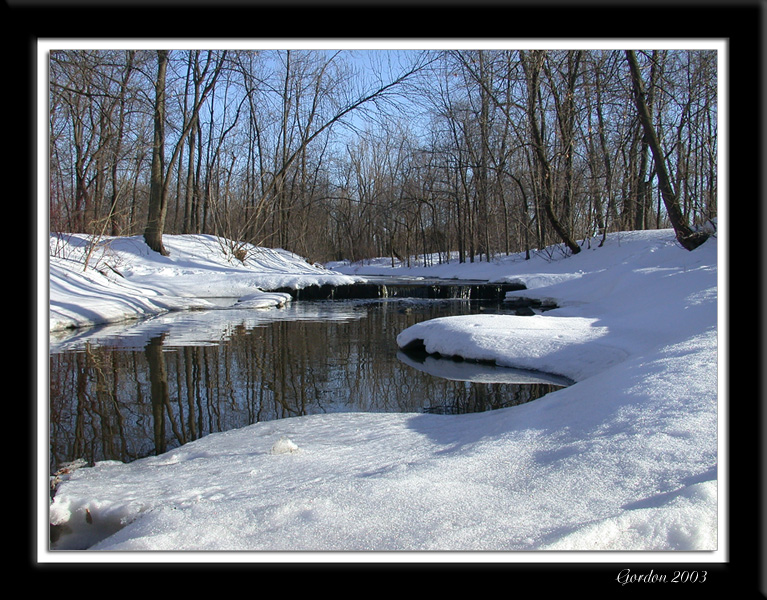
[(136, 390)]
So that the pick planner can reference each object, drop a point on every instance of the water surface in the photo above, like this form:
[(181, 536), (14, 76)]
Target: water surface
[(130, 391)]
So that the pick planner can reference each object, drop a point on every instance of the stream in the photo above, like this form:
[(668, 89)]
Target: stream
[(123, 392)]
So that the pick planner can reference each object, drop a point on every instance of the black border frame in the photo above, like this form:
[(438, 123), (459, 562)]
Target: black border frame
[(741, 22)]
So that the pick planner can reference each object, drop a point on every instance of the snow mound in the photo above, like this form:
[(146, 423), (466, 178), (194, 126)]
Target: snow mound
[(573, 347), (125, 279), (284, 446)]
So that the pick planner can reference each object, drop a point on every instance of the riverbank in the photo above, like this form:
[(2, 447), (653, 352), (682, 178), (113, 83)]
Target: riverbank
[(626, 459), (125, 280)]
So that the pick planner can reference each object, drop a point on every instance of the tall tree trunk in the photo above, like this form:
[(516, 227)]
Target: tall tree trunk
[(158, 190), (606, 157), (157, 201), (115, 220), (482, 175), (532, 72), (686, 236), (565, 107)]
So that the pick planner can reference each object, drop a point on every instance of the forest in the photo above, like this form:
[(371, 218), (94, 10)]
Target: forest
[(458, 155)]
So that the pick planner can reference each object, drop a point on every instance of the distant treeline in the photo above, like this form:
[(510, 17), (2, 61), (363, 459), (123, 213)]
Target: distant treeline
[(349, 155)]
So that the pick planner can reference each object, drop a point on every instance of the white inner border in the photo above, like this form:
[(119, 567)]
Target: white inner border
[(45, 45)]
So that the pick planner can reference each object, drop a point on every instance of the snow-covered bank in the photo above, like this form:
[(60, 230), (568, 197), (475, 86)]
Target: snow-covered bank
[(640, 292), (126, 280), (627, 458)]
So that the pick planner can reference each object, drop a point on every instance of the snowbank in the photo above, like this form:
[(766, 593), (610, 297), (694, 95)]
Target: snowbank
[(642, 290), (625, 459), (127, 280), (573, 347)]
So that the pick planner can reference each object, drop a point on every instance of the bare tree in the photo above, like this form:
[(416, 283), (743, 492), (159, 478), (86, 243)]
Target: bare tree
[(160, 177), (157, 199), (301, 150), (688, 237), (533, 64)]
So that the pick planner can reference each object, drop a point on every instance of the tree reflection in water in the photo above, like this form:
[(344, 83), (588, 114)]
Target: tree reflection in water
[(112, 402)]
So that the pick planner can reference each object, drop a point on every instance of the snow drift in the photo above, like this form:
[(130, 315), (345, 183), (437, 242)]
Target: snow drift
[(125, 279)]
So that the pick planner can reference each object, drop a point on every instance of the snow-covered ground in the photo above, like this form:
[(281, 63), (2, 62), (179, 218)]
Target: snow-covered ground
[(127, 280), (627, 458)]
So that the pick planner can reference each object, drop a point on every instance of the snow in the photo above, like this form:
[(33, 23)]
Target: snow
[(625, 459), (127, 280)]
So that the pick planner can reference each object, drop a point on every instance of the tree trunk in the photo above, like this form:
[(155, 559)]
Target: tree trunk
[(687, 237), (532, 72), (157, 202)]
